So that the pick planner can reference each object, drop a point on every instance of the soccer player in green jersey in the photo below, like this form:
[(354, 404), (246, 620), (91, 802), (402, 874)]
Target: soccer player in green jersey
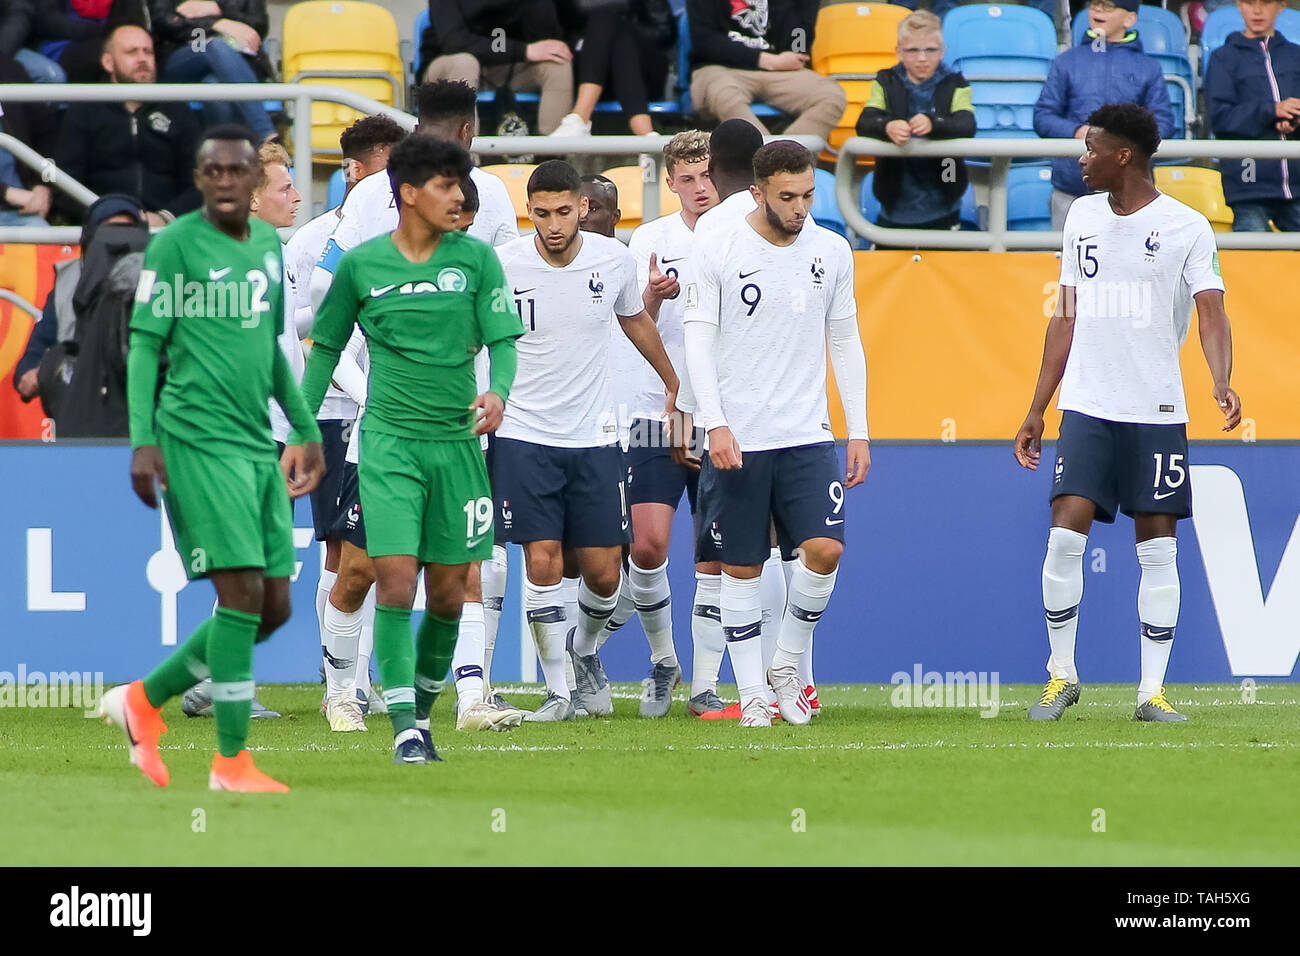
[(427, 298), (211, 295)]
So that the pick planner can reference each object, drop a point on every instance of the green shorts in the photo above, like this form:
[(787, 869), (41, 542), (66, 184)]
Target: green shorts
[(427, 498), (227, 512)]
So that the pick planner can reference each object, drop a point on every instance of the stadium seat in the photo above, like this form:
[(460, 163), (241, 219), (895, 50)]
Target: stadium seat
[(337, 189), (970, 213), (1029, 194), (1227, 20), (1200, 188), (341, 43), (993, 40), (825, 209), (631, 187), (855, 39), (515, 176), (687, 108), (867, 200)]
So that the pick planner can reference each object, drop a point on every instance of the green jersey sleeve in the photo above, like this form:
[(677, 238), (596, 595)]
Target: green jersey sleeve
[(338, 312), (497, 317), (162, 271)]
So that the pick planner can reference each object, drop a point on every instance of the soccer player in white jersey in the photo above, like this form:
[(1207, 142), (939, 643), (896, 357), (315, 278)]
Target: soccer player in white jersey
[(657, 478), (365, 145), (763, 303), (1133, 261), (447, 111), (556, 460), (731, 168)]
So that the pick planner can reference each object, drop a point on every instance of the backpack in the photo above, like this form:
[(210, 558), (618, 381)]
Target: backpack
[(93, 403)]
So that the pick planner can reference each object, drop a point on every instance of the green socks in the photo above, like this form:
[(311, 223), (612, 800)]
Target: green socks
[(230, 657), (396, 656), (183, 668), (435, 643)]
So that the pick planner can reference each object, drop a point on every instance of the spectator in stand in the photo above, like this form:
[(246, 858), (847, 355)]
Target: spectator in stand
[(940, 7), (202, 41), (72, 32), (58, 322), (505, 43), (625, 45), (15, 29), (1107, 67), (919, 96), (1252, 91), (24, 199), (144, 150), (747, 50)]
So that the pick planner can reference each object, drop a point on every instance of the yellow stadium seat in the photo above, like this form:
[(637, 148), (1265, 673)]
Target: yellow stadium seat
[(515, 176), (1200, 188), (631, 192), (855, 38), (341, 43)]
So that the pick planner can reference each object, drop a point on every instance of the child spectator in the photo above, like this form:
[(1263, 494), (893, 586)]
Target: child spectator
[(919, 96), (1252, 91), (1107, 67)]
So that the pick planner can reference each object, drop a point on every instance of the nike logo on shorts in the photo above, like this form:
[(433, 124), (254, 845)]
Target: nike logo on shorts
[(831, 524), (1159, 496)]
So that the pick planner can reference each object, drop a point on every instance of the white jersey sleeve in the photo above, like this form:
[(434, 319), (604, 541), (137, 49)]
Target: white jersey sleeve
[(496, 222), (292, 349), (368, 211), (1201, 270)]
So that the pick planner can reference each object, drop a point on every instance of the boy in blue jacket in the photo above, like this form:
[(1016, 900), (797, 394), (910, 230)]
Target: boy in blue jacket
[(1107, 67), (1252, 91)]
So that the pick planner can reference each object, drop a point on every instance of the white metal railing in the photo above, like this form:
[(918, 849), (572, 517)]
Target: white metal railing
[(1001, 152)]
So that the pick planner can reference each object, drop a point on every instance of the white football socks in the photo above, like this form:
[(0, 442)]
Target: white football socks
[(323, 588), (342, 635), (493, 575), (706, 633), (366, 646), (772, 591), (623, 612), (1159, 596), (742, 625), (805, 665), (594, 611), (1062, 592), (810, 592), (654, 606), (467, 660), (544, 607)]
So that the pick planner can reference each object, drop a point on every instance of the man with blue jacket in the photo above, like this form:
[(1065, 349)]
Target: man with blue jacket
[(1107, 67), (1252, 91)]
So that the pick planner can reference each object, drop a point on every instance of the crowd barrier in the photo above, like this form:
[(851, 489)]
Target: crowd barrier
[(941, 571)]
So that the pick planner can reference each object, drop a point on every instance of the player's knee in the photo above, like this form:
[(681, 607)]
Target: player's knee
[(350, 588), (822, 555), (274, 616), (446, 605), (649, 552), (604, 581)]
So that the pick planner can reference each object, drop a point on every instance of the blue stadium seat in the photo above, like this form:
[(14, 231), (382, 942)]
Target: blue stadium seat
[(684, 74), (337, 189), (1029, 198), (825, 210), (484, 96), (867, 202), (1227, 20), (996, 40), (970, 214)]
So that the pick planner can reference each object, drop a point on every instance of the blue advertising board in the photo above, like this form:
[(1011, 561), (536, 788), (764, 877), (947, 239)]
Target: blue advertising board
[(941, 570)]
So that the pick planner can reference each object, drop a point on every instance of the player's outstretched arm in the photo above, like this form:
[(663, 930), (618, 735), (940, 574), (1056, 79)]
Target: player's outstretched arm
[(141, 384), (1216, 343), (644, 334), (1056, 349), (488, 408)]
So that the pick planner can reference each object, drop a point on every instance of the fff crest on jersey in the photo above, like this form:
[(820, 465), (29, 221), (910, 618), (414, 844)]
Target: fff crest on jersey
[(597, 287), (1152, 245), (818, 271)]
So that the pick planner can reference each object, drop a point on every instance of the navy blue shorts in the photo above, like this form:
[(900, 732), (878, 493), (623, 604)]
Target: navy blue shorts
[(798, 489), (325, 506), (348, 522), (1123, 466), (653, 477), (573, 495)]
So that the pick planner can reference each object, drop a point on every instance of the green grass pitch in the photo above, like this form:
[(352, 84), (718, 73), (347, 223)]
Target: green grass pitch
[(865, 783)]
